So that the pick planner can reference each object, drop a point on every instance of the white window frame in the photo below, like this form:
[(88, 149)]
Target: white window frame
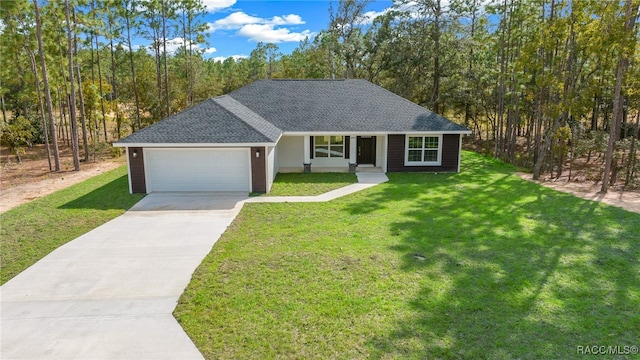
[(438, 162), (329, 145)]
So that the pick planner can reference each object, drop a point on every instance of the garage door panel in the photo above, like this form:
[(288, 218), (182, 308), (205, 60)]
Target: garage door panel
[(197, 169)]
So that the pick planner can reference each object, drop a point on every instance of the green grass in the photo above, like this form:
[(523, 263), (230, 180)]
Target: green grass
[(309, 184), (31, 231), (476, 265)]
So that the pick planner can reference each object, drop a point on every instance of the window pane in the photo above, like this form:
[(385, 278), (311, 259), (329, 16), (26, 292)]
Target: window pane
[(321, 140), (322, 151), (415, 155), (337, 140), (336, 151), (415, 142), (431, 143), (431, 155)]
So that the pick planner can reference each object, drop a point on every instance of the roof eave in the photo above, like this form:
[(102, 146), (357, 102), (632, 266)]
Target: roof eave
[(192, 145), (366, 133)]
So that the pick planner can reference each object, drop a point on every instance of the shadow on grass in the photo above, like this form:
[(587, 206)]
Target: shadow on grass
[(509, 269), (112, 195)]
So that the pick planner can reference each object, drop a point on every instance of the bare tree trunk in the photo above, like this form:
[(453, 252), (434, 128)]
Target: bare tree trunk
[(4, 108), (72, 98), (614, 132), (133, 71), (45, 130), (47, 90), (164, 50), (83, 116), (632, 152), (114, 84), (104, 116)]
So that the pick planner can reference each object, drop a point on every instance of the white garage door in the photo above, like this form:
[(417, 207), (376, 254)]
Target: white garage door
[(197, 169)]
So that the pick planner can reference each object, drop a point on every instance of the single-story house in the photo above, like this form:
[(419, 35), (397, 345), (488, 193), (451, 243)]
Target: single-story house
[(240, 141)]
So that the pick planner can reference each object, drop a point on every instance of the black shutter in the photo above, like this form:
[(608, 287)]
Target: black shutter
[(311, 147), (346, 146)]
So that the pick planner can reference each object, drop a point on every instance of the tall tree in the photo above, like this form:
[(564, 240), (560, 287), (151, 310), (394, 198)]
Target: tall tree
[(627, 49), (47, 90), (72, 99)]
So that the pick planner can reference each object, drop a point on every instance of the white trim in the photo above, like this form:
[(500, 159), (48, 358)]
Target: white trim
[(371, 133), (459, 151), (126, 153), (307, 149), (250, 155), (422, 163), (385, 151), (191, 145), (353, 148)]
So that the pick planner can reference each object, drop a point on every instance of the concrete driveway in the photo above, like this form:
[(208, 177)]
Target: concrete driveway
[(109, 294)]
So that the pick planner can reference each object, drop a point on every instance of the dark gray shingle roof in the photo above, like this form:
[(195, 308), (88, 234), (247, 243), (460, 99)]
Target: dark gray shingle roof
[(261, 111), (206, 122), (337, 105)]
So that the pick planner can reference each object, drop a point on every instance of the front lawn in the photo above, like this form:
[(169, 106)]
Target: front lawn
[(476, 265), (309, 184), (31, 231)]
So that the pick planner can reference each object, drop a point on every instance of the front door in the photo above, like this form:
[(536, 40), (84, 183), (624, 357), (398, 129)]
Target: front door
[(366, 150)]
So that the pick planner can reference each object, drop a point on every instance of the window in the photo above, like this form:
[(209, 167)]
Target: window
[(328, 146), (423, 150)]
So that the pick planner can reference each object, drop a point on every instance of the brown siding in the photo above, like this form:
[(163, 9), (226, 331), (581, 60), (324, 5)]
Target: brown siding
[(395, 155), (136, 170), (259, 170)]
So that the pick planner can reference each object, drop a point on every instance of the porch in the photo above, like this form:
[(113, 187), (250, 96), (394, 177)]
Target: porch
[(332, 153)]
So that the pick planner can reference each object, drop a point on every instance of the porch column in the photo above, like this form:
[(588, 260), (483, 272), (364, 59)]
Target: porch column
[(352, 153), (307, 153)]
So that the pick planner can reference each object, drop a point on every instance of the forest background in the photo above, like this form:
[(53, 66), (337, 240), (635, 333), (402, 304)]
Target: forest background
[(552, 86)]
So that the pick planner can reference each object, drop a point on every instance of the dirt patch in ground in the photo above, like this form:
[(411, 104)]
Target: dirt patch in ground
[(32, 179), (590, 190)]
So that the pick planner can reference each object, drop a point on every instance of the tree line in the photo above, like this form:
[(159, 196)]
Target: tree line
[(540, 83)]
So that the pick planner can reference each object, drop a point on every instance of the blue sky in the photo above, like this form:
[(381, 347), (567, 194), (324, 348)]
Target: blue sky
[(236, 26)]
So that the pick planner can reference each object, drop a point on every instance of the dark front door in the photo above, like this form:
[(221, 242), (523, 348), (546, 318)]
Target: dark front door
[(366, 150)]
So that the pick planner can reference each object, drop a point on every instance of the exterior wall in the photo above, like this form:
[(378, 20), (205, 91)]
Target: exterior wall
[(136, 170), (291, 152), (450, 154), (258, 170), (271, 169)]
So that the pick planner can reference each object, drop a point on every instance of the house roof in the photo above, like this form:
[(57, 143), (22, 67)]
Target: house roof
[(262, 111), (206, 122)]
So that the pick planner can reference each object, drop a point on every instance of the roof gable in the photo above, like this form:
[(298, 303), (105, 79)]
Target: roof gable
[(207, 122)]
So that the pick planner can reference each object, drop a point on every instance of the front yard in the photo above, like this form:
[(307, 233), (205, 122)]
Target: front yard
[(31, 231), (474, 265)]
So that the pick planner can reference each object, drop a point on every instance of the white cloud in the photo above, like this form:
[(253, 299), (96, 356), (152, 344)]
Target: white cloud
[(210, 50), (262, 29), (235, 57), (215, 5), (234, 21), (267, 33), (369, 16)]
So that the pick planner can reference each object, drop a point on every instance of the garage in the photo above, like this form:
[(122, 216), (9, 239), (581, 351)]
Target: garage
[(199, 169)]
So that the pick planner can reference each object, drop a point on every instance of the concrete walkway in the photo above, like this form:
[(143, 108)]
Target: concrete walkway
[(110, 293), (365, 181)]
